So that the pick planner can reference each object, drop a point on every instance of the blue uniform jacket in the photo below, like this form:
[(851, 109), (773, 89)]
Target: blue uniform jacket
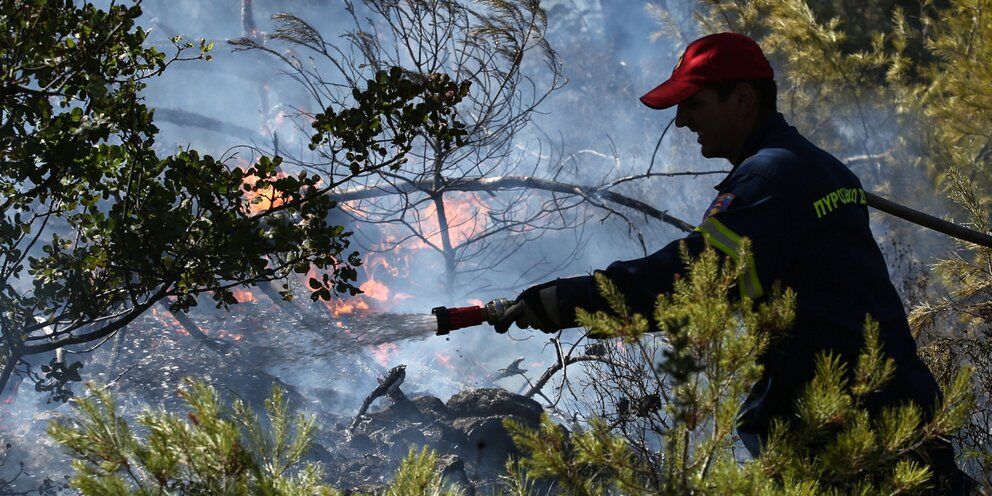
[(807, 218)]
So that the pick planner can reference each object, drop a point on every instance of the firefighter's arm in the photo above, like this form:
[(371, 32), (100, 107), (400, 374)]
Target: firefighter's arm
[(551, 306), (754, 209), (759, 212)]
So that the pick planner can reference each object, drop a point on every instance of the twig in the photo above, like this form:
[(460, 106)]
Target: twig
[(552, 370)]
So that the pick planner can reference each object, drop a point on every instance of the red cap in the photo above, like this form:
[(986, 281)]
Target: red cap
[(716, 58)]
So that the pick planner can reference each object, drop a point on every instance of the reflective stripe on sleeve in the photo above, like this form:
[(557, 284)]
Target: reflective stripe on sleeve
[(729, 243)]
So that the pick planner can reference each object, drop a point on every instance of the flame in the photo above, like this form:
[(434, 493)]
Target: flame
[(232, 336), (244, 295), (380, 261), (262, 199), (357, 305), (476, 302), (443, 359), (383, 352), (389, 259), (375, 290), (466, 215), (339, 307), (169, 321)]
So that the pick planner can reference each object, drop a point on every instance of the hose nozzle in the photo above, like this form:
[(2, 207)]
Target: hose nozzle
[(449, 319)]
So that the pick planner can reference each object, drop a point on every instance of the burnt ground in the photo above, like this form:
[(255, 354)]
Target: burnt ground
[(259, 345)]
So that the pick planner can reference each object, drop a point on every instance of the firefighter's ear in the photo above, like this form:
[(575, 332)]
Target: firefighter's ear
[(745, 99)]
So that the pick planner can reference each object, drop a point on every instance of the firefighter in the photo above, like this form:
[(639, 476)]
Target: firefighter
[(807, 218)]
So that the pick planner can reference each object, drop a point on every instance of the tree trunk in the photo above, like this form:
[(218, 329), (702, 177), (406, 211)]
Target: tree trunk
[(448, 250)]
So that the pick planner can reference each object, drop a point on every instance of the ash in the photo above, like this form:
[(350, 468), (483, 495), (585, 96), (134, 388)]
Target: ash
[(329, 366)]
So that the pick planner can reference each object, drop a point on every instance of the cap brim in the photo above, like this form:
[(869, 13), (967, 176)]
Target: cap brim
[(669, 94)]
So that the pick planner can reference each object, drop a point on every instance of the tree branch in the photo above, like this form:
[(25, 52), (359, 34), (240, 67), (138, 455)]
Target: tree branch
[(500, 183), (561, 364)]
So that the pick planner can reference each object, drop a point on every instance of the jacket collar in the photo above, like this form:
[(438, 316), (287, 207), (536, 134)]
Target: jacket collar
[(768, 127)]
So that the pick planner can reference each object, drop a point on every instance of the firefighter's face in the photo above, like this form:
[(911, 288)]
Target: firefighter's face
[(719, 125)]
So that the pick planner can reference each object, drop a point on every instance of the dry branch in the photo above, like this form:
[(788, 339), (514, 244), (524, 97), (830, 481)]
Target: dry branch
[(186, 118), (558, 366), (500, 183), (217, 345)]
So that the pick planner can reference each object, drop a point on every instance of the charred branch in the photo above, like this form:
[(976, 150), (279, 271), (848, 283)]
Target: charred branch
[(558, 367), (593, 193), (185, 118), (388, 386), (930, 222), (217, 345), (511, 370)]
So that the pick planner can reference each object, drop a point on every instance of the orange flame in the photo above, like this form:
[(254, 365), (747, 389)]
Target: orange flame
[(232, 336), (339, 307), (380, 261), (264, 198), (244, 295), (466, 216), (375, 290), (443, 359), (389, 260), (383, 352), (169, 321)]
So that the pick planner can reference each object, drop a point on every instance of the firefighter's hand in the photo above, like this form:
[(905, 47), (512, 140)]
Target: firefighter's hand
[(535, 308), (518, 313)]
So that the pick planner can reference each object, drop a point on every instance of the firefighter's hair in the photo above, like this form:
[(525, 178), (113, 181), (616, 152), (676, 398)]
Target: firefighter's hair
[(765, 89)]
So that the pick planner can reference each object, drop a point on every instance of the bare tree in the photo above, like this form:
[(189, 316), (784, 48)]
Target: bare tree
[(498, 48)]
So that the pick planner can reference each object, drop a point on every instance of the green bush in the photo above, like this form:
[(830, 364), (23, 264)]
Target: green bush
[(210, 451), (207, 451)]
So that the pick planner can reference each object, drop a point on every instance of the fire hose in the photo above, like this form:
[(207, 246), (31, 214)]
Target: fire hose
[(450, 319), (930, 222)]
